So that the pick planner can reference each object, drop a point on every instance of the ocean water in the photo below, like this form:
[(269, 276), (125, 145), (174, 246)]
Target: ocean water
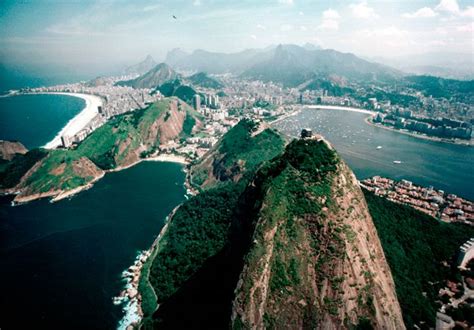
[(35, 120), (445, 166), (60, 263)]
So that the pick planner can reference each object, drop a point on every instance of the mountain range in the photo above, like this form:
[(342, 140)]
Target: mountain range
[(290, 65)]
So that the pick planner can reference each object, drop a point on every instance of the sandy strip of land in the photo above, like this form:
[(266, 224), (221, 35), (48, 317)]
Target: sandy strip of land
[(336, 107), (169, 158), (80, 120)]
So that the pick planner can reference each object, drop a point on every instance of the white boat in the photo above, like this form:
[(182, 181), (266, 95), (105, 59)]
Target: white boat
[(397, 161), (379, 147)]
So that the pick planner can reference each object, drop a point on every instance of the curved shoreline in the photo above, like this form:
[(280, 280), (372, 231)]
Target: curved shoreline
[(79, 121), (371, 114), (336, 107), (60, 195), (469, 143)]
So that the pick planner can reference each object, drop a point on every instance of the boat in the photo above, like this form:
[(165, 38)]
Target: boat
[(379, 147), (397, 161)]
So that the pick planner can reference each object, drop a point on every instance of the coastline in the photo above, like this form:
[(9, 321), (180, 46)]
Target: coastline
[(57, 196), (131, 297), (339, 108), (469, 143), (79, 121), (368, 122)]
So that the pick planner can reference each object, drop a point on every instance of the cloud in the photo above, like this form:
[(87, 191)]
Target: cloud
[(469, 12), (466, 28), (303, 28), (196, 2), (151, 8), (329, 24), (286, 27), (331, 14), (391, 31), (330, 20), (253, 36), (286, 2), (450, 6), (362, 10), (421, 13), (301, 13), (261, 27)]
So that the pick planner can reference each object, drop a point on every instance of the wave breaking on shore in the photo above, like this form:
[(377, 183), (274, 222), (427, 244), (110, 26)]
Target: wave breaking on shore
[(79, 121)]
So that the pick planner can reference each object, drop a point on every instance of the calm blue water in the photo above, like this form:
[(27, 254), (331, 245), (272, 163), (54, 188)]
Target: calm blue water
[(34, 120), (60, 263), (444, 166)]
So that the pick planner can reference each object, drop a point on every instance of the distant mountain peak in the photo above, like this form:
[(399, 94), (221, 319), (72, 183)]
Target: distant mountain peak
[(142, 67), (158, 75), (175, 55), (310, 46)]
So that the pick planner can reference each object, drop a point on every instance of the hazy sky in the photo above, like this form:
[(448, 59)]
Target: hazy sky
[(114, 32)]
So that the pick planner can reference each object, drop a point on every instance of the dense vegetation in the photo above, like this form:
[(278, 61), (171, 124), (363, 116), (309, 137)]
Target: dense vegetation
[(201, 79), (440, 87), (194, 267), (199, 230), (239, 153), (403, 100), (415, 244), (12, 171), (200, 225), (239, 144), (332, 89), (177, 89)]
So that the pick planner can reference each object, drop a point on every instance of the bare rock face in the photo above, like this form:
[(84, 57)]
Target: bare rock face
[(316, 260), (9, 149)]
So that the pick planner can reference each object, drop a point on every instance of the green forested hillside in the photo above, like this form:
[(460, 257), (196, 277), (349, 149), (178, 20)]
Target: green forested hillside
[(197, 239), (238, 153), (415, 244), (121, 141), (12, 171)]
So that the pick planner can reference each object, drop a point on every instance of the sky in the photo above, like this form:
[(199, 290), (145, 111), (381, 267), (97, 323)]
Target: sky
[(111, 33)]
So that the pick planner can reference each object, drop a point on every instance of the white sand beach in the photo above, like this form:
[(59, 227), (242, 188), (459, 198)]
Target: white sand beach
[(80, 120), (168, 158), (335, 107)]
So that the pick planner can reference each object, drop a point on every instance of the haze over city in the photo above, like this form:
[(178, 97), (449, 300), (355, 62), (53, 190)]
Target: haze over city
[(105, 35)]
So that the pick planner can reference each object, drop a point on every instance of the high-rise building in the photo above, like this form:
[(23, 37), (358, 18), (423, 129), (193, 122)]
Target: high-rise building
[(214, 101), (65, 141), (197, 102)]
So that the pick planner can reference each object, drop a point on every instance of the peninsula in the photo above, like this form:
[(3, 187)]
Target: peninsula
[(120, 143)]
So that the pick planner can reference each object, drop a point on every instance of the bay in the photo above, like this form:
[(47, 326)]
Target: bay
[(61, 262), (34, 120), (444, 166)]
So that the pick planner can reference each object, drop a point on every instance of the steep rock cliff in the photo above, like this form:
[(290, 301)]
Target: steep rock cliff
[(315, 259)]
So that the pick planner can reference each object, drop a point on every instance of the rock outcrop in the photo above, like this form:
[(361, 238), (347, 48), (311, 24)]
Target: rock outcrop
[(9, 149), (315, 260)]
